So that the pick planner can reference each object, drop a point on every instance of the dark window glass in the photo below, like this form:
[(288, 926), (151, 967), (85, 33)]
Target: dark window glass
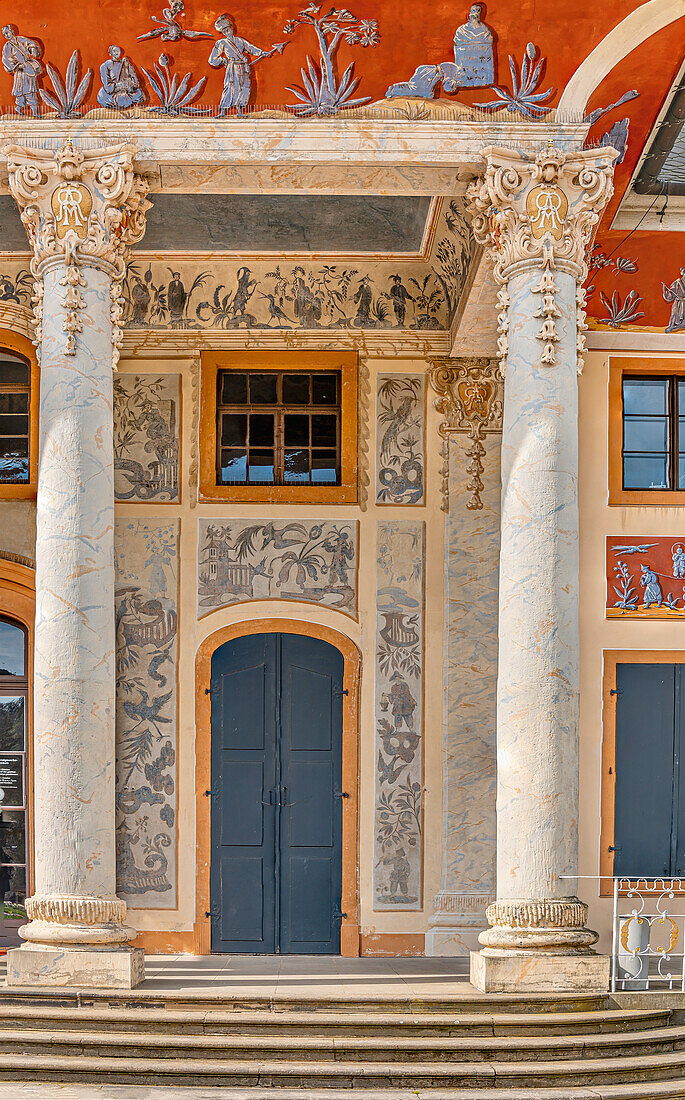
[(653, 433), (13, 884), (12, 649), (294, 438), (14, 420), (12, 723), (12, 837)]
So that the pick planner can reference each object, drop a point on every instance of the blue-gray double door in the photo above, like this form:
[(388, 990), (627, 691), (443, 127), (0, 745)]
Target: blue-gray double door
[(276, 865)]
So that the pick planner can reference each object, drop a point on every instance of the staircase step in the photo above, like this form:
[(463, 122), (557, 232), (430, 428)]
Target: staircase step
[(346, 1075), (336, 1024), (250, 1047), (663, 1090)]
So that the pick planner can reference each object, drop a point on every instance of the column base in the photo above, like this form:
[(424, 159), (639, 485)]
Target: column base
[(539, 972), (85, 967)]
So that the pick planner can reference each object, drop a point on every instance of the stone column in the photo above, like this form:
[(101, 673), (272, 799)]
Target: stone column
[(536, 217), (470, 401), (81, 210)]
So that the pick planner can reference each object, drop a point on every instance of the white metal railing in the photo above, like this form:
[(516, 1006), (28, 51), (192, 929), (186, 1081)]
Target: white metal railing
[(648, 940)]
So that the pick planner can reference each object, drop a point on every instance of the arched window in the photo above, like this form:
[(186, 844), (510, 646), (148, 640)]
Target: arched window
[(14, 688)]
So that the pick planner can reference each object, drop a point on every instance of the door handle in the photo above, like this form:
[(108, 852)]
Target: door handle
[(284, 794), (271, 799)]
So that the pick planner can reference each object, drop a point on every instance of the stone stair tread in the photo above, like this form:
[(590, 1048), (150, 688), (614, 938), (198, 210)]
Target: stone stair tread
[(662, 1090), (451, 1044)]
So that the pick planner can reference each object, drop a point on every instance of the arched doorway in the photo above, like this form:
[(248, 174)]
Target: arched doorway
[(341, 684)]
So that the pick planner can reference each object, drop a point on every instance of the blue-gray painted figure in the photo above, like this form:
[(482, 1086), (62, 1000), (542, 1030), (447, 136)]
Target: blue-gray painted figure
[(120, 85), (676, 293), (473, 65), (678, 556), (232, 54), (652, 587), (399, 296), (21, 57)]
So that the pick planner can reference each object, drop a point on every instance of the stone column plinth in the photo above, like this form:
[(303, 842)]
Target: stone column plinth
[(536, 217), (81, 210)]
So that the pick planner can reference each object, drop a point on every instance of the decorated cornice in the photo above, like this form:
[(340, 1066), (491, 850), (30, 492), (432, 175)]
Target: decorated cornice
[(530, 212), (470, 398), (80, 208)]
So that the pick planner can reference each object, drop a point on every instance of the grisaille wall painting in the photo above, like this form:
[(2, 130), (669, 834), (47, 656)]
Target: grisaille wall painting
[(146, 595), (645, 577), (146, 437), (398, 820), (400, 438), (260, 560)]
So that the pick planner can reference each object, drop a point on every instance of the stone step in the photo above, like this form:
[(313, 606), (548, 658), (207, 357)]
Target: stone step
[(662, 1090), (161, 1020), (405, 1050), (217, 997), (530, 1076)]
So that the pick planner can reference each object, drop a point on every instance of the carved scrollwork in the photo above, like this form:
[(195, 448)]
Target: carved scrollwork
[(527, 211), (470, 398), (81, 208)]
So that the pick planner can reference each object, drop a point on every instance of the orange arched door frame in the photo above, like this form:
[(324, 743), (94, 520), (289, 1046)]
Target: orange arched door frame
[(18, 602), (349, 932)]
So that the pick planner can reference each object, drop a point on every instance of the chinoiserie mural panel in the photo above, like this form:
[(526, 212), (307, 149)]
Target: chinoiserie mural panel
[(645, 577), (398, 819), (400, 438), (146, 598), (146, 437), (261, 560)]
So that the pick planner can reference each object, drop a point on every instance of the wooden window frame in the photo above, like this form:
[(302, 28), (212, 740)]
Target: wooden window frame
[(18, 687), (612, 658), (643, 367), (344, 363)]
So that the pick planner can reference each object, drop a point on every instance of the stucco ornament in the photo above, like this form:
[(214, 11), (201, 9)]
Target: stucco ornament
[(540, 213), (81, 208), (470, 398)]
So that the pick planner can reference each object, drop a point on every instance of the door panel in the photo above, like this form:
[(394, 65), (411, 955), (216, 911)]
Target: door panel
[(645, 724), (242, 872), (276, 869)]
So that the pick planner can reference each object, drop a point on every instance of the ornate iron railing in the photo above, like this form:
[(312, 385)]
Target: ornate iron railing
[(648, 939)]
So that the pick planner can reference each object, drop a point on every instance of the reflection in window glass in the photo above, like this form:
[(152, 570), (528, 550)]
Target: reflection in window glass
[(12, 650), (12, 723), (14, 419)]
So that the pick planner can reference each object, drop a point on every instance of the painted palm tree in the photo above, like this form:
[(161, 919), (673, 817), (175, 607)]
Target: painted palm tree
[(321, 92)]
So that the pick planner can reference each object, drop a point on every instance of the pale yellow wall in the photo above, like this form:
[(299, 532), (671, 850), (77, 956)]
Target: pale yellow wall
[(192, 632), (597, 634)]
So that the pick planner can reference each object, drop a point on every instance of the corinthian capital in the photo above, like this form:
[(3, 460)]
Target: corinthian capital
[(540, 212), (81, 208)]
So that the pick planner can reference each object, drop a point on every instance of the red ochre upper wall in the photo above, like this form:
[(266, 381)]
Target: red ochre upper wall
[(410, 34)]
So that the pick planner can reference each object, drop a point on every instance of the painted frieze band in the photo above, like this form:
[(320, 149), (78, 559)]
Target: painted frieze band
[(398, 841)]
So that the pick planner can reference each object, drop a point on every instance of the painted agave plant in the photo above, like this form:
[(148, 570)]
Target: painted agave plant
[(524, 96), (173, 94), (621, 313), (68, 93)]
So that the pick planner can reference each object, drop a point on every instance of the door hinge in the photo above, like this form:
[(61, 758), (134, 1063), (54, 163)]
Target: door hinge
[(337, 914), (337, 694), (341, 794), (615, 691), (615, 847)]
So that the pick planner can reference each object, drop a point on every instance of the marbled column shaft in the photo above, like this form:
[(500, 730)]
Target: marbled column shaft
[(537, 695), (75, 862)]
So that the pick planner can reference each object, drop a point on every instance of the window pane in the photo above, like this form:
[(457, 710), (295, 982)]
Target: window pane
[(263, 389), (645, 472), (13, 468), (296, 430), (233, 388), (261, 467), (14, 403), (13, 884), (324, 468), (295, 389), (645, 395), (296, 467), (11, 780), (681, 396), (324, 431), (234, 466), (14, 425), (12, 723), (12, 650), (12, 836), (324, 389), (13, 372), (681, 471), (261, 430), (233, 429), (646, 433)]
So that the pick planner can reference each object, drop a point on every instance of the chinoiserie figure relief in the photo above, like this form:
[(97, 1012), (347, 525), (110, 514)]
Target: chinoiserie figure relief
[(21, 57), (120, 85)]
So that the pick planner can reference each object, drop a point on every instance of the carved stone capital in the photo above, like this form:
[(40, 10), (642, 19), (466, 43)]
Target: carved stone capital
[(541, 212), (470, 398), (81, 208)]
